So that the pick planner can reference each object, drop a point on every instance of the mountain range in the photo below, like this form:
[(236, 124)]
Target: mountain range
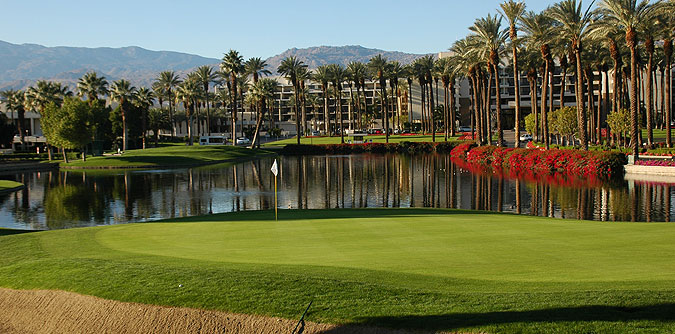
[(23, 64)]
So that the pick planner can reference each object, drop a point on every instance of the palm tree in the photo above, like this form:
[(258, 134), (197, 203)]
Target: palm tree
[(14, 100), (338, 76), (667, 29), (262, 93), (395, 72), (143, 99), (426, 65), (446, 70), (169, 80), (290, 68), (513, 10), (188, 92), (256, 67), (322, 75), (42, 94), (630, 15), (122, 91), (539, 30), (378, 66), (231, 67), (574, 25), (93, 86), (357, 72), (303, 75), (206, 76), (491, 38)]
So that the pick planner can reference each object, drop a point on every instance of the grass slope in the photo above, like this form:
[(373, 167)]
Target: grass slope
[(7, 185), (181, 155), (412, 268), (375, 138)]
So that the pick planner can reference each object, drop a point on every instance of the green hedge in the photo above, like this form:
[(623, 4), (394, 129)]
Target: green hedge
[(402, 147)]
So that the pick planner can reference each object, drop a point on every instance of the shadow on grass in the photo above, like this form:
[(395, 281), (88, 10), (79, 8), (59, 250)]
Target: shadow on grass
[(455, 321), (10, 232), (327, 214)]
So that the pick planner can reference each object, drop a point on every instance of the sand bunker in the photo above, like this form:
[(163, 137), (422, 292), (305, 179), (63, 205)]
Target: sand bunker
[(46, 311)]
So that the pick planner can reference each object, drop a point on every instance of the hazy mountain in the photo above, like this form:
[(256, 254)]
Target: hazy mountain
[(321, 55), (24, 64)]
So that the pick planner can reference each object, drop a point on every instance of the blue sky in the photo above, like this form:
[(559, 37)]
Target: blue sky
[(255, 28)]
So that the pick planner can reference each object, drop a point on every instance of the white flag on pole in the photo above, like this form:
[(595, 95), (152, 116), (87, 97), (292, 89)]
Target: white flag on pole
[(275, 169)]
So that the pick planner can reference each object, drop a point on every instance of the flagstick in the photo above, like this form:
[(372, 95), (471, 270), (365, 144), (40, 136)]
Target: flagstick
[(276, 205)]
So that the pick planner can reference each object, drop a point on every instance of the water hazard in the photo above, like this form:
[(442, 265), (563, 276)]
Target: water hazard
[(65, 199)]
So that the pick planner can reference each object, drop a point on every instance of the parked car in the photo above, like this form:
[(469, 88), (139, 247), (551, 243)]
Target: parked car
[(316, 133), (243, 141), (526, 137), (464, 128)]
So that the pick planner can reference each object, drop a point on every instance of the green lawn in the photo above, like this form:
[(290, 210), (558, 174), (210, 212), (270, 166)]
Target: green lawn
[(375, 138), (174, 155), (412, 268), (6, 185)]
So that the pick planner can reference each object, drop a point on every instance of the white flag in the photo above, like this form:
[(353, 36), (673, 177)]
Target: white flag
[(275, 170)]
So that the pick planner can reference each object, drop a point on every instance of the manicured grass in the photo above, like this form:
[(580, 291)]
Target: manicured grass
[(375, 138), (6, 185), (412, 268), (174, 155)]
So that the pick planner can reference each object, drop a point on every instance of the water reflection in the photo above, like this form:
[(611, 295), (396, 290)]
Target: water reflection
[(63, 199)]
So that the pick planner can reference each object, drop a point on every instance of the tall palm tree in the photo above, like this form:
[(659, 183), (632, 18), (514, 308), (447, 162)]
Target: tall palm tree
[(574, 24), (665, 23), (122, 91), (539, 30), (143, 99), (378, 66), (513, 10), (491, 38), (262, 93), (206, 76), (338, 76), (426, 66), (14, 101), (188, 93), (169, 80), (92, 86), (630, 16), (290, 68), (357, 72), (302, 76), (322, 76), (231, 67), (256, 67), (395, 72)]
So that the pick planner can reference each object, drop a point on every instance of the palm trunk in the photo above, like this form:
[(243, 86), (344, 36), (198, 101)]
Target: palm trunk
[(633, 97), (351, 107), (533, 103), (338, 93), (297, 112), (488, 109), (233, 87), (668, 49), (124, 126), (516, 82), (446, 110), (500, 131), (65, 156), (581, 112), (431, 109), (648, 92), (544, 111)]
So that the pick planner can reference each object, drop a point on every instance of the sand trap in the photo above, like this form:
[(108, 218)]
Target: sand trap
[(46, 311)]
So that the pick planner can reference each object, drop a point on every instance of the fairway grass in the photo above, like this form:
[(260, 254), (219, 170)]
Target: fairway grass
[(375, 138), (448, 270), (169, 156)]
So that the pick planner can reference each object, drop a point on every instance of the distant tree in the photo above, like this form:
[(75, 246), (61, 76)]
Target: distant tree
[(6, 131), (565, 121), (158, 120), (619, 122), (69, 126)]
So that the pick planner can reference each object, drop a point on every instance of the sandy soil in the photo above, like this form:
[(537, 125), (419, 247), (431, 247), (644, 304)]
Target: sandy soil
[(46, 311)]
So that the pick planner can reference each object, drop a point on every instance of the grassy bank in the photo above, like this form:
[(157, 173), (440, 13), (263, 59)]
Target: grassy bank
[(410, 268), (375, 139), (6, 185), (169, 156)]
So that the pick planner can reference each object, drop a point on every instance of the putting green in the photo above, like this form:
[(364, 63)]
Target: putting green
[(438, 270), (483, 246)]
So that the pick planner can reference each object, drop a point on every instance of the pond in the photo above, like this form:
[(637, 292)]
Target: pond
[(66, 199)]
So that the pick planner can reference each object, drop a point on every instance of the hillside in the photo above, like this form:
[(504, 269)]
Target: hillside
[(321, 55), (24, 64)]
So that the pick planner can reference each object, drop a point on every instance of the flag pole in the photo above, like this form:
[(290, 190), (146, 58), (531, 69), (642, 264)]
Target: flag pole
[(276, 205)]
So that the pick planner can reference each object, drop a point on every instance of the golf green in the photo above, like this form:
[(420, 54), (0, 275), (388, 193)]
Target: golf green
[(414, 268)]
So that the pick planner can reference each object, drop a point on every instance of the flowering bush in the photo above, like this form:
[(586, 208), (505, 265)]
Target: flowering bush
[(661, 163), (537, 161)]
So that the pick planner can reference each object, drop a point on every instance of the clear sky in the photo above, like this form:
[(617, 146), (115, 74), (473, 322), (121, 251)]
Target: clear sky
[(255, 28)]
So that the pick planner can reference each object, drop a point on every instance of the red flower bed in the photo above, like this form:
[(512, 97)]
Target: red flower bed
[(521, 161)]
